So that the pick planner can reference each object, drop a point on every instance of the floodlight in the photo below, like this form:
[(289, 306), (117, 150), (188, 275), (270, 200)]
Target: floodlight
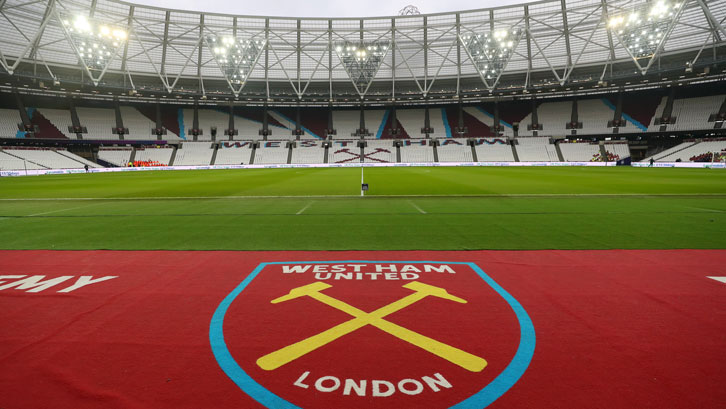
[(491, 51), (643, 31), (95, 43), (235, 57), (361, 61)]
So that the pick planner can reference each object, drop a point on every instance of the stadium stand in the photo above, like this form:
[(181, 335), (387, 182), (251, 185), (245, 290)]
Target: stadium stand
[(155, 154), (536, 149), (594, 115), (652, 127), (271, 152), (344, 152), (474, 127), (691, 110), (49, 158), (620, 150), (413, 120), (313, 121), (207, 119), (138, 124), (388, 128), (12, 162), (374, 122), (77, 158), (308, 152), (638, 109), (514, 111), (379, 152), (249, 129), (60, 119), (689, 151), (194, 153), (98, 122), (579, 151), (346, 122), (115, 156), (493, 150), (486, 119), (670, 151), (693, 113), (46, 129), (289, 123), (9, 120), (234, 153), (454, 150), (553, 116), (417, 150)]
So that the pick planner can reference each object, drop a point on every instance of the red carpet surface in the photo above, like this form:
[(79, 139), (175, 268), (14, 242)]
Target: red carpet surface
[(498, 329)]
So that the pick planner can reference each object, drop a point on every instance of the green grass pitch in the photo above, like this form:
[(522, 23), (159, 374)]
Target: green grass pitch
[(435, 208)]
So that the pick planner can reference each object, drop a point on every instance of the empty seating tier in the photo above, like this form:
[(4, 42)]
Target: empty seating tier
[(453, 150), (579, 152), (115, 156), (308, 152), (493, 150), (271, 152), (234, 153), (47, 158), (194, 153), (379, 152), (417, 151)]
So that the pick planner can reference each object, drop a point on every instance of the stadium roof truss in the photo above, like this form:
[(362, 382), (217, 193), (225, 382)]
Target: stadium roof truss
[(362, 60), (551, 38)]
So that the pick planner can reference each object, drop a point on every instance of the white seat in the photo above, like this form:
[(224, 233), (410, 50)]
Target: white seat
[(308, 152), (234, 153), (194, 153), (454, 150), (417, 151), (579, 152)]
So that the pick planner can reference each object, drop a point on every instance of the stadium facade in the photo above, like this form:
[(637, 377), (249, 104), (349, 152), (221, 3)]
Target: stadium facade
[(648, 75), (545, 47)]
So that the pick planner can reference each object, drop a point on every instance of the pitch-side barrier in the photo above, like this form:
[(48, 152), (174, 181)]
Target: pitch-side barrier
[(31, 172), (711, 165), (35, 172)]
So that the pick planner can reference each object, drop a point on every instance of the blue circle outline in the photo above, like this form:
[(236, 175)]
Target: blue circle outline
[(491, 392)]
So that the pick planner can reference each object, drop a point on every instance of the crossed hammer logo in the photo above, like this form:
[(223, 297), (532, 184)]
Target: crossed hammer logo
[(361, 318), (368, 155)]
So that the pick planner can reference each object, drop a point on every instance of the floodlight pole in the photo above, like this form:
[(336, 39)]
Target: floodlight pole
[(458, 53), (393, 59)]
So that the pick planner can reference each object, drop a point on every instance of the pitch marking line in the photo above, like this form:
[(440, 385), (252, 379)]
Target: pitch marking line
[(706, 210), (305, 208), (61, 210), (417, 207), (517, 195)]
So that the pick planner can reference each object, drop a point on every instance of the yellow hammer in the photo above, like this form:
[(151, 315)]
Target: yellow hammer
[(294, 351)]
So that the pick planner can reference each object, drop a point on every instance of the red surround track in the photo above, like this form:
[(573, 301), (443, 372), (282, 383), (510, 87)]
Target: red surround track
[(614, 329)]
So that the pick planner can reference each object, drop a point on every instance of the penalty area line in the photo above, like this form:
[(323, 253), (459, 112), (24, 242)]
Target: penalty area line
[(415, 206), (492, 196), (305, 208), (61, 210)]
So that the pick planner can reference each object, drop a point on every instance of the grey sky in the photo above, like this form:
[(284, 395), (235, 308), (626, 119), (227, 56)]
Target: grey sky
[(323, 8)]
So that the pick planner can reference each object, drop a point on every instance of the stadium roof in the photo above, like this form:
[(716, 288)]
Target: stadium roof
[(174, 50)]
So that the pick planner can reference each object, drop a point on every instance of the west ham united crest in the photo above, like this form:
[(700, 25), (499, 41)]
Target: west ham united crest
[(372, 334)]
